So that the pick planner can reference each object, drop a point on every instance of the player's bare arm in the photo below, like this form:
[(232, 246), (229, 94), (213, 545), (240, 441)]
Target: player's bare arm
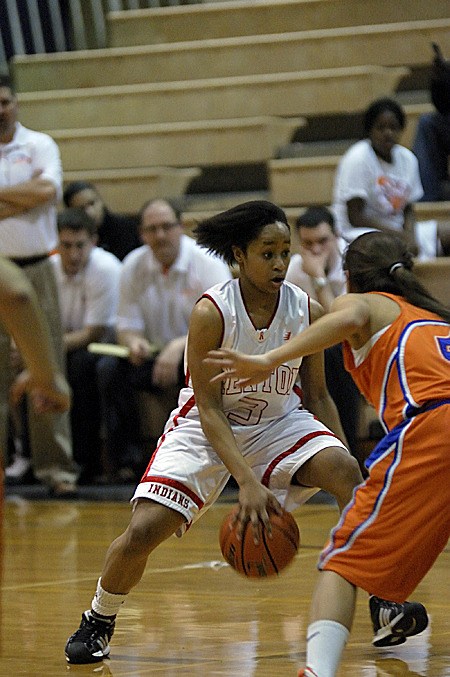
[(345, 319), (22, 317)]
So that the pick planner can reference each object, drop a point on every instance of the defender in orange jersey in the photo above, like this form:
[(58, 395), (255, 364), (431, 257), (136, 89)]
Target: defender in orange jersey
[(397, 348)]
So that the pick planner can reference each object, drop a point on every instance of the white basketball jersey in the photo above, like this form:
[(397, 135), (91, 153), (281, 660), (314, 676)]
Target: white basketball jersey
[(279, 394)]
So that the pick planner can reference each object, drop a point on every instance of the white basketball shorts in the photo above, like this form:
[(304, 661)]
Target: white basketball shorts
[(186, 474)]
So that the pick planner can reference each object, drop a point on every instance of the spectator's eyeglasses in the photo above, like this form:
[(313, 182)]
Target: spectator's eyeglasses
[(165, 227)]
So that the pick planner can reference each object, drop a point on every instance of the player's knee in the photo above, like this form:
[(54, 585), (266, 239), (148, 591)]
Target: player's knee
[(138, 540), (348, 470), (345, 473), (151, 524)]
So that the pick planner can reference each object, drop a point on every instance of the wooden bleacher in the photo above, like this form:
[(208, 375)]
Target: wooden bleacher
[(121, 187), (240, 56), (424, 211), (435, 276), (175, 144), (206, 85), (284, 94), (217, 20), (301, 179)]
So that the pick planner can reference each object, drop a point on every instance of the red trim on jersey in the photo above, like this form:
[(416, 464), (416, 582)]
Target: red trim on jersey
[(207, 296), (187, 377), (174, 484), (266, 477), (298, 391), (183, 411)]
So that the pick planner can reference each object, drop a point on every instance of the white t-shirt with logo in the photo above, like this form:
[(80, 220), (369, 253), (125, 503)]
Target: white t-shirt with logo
[(33, 231), (385, 187)]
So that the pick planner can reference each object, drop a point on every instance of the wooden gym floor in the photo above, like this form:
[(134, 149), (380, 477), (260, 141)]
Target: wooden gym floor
[(191, 614)]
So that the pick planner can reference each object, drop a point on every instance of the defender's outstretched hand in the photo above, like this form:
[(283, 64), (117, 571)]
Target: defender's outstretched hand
[(248, 369)]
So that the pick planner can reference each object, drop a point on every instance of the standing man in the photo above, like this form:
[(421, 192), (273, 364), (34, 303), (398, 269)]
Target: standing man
[(318, 271), (88, 285), (159, 286), (30, 185)]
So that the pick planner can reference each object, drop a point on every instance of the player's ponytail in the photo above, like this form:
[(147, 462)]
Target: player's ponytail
[(379, 261)]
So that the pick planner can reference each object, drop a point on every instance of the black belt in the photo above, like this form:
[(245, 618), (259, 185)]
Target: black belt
[(28, 260)]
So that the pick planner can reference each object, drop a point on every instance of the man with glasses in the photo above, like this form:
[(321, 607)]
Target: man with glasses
[(160, 284)]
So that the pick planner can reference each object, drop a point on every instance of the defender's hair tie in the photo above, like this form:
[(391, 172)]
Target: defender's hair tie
[(394, 266)]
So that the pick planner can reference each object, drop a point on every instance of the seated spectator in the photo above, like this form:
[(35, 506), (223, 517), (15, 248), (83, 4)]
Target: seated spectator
[(318, 270), (117, 233), (88, 286), (159, 285), (377, 180), (432, 141)]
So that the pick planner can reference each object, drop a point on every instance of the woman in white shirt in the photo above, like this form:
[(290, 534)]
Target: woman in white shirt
[(377, 180)]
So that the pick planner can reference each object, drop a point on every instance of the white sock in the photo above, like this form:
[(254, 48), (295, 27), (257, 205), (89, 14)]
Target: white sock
[(106, 603), (325, 642)]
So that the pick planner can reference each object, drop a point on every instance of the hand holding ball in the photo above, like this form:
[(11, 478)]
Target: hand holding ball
[(270, 555)]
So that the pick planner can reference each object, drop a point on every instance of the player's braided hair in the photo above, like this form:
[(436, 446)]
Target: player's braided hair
[(379, 261)]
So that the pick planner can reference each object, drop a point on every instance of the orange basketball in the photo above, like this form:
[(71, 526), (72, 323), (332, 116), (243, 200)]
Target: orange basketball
[(270, 556)]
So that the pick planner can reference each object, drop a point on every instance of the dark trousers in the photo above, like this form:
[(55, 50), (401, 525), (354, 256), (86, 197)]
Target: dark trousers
[(119, 383), (85, 413), (345, 394)]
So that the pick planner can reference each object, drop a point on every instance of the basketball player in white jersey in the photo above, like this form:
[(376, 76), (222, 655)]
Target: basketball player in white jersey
[(266, 436)]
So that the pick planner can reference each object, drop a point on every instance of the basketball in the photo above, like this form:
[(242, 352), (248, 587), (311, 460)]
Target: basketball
[(267, 558)]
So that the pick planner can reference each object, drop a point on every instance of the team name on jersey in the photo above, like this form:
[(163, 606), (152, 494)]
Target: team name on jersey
[(281, 382)]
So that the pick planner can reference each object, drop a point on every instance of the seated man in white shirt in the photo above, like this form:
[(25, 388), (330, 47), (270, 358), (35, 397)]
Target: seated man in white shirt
[(318, 270), (88, 286), (159, 285)]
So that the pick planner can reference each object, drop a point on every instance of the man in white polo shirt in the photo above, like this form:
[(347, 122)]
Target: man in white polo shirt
[(30, 186), (88, 286)]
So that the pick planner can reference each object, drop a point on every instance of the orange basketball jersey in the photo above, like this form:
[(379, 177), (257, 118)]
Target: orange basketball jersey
[(398, 522), (408, 367)]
